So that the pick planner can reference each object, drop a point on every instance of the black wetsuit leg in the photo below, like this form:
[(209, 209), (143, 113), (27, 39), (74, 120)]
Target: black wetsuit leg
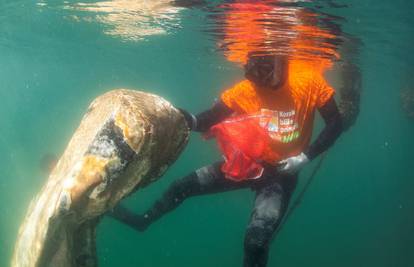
[(206, 180), (272, 199)]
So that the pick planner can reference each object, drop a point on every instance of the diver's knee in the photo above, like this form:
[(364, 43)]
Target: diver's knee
[(206, 175)]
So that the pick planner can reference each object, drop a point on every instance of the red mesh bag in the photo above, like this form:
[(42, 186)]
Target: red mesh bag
[(243, 141)]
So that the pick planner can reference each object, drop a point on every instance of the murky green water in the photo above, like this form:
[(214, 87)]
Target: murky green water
[(55, 59)]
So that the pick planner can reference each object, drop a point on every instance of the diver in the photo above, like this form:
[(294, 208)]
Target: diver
[(289, 93)]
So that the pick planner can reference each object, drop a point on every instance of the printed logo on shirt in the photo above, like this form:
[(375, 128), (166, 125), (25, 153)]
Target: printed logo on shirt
[(281, 125)]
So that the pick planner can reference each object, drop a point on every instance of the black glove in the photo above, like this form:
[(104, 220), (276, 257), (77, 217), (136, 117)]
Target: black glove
[(189, 118)]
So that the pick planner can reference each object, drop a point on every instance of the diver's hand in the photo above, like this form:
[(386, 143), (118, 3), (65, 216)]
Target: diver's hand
[(293, 164), (189, 118)]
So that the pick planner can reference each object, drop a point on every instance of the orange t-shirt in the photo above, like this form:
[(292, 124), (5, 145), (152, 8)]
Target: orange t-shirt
[(290, 109)]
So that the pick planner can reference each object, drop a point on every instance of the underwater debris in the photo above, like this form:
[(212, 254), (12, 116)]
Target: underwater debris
[(125, 140)]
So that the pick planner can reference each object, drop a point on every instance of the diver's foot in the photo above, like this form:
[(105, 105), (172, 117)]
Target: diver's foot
[(139, 223), (122, 214)]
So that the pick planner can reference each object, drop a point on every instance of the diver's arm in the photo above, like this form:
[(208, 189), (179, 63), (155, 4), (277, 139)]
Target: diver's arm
[(204, 120), (331, 132)]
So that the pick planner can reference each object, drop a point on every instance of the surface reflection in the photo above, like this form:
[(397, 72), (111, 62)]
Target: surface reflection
[(274, 27), (129, 19)]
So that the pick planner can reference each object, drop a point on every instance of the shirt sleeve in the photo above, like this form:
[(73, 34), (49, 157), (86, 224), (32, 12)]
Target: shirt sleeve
[(325, 92), (241, 98), (228, 97)]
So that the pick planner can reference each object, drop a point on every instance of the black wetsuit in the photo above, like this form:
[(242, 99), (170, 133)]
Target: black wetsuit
[(273, 190)]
